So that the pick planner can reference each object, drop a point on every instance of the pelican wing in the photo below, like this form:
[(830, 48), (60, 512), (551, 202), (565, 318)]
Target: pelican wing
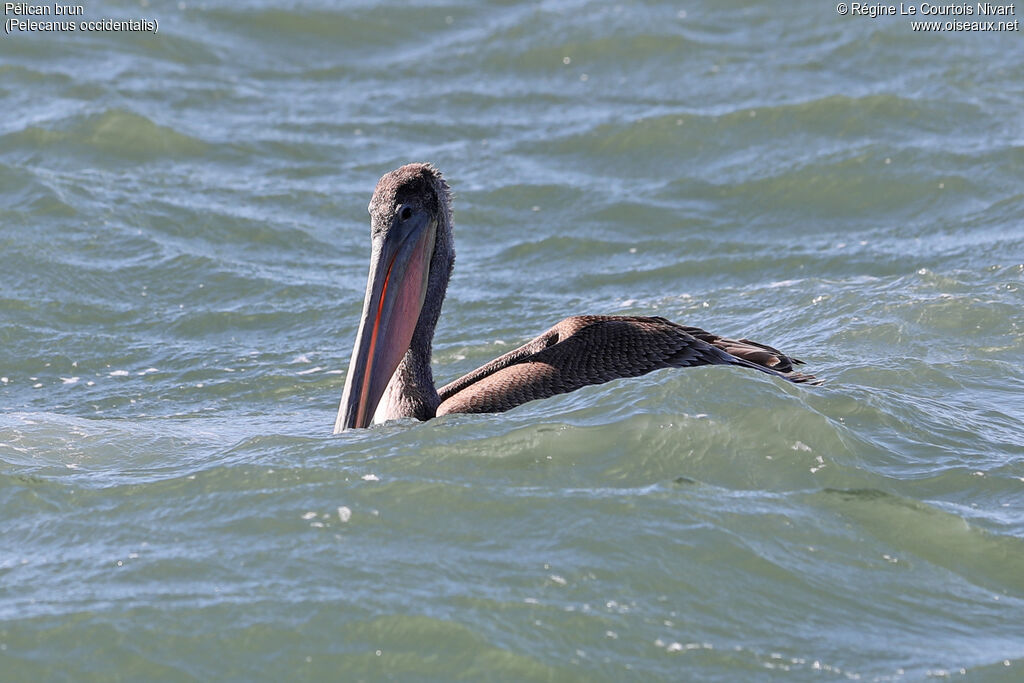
[(584, 350), (758, 354)]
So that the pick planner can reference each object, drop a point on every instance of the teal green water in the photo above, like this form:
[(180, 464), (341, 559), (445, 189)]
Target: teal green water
[(183, 251)]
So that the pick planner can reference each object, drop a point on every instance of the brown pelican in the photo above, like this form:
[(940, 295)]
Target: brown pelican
[(411, 261)]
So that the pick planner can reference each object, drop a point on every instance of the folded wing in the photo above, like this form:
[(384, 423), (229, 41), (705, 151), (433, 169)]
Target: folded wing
[(584, 350)]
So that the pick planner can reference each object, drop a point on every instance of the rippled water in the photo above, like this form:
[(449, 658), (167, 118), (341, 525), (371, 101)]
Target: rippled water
[(183, 250)]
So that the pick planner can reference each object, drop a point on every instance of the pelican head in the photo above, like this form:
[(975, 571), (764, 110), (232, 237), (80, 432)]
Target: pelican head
[(410, 263)]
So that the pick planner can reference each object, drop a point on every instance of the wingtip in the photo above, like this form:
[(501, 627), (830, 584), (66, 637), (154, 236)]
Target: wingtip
[(804, 378)]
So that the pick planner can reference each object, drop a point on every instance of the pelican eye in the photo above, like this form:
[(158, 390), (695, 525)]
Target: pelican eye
[(405, 214)]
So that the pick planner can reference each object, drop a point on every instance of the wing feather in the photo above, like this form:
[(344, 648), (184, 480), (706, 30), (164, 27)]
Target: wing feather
[(584, 350)]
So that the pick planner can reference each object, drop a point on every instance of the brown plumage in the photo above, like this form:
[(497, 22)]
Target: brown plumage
[(390, 374), (593, 349)]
